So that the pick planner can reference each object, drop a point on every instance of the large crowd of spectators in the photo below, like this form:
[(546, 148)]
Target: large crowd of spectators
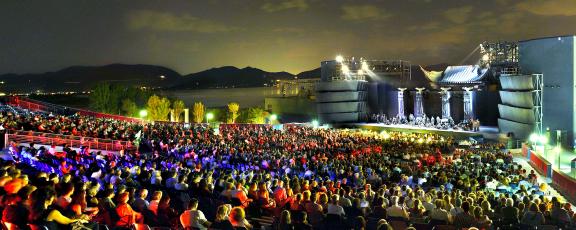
[(191, 177)]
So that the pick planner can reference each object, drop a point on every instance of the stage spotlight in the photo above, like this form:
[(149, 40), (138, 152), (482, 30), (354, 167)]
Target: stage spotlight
[(143, 113), (486, 57), (345, 69), (360, 72), (273, 117), (534, 138), (339, 58), (543, 140)]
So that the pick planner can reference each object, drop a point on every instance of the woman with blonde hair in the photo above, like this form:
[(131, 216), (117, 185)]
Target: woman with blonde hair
[(221, 221), (285, 222)]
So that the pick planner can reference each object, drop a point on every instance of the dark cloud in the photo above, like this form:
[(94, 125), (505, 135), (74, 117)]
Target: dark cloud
[(165, 21), (363, 13), (274, 6), (549, 7)]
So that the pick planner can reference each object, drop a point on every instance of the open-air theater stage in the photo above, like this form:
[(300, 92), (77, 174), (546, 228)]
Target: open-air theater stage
[(458, 134)]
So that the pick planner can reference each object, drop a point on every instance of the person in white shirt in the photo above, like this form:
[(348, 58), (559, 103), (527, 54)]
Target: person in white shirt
[(194, 218), (439, 213), (396, 210), (427, 203), (334, 207), (457, 209), (181, 185)]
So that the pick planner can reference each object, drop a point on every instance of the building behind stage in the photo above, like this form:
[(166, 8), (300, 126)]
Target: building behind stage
[(554, 58)]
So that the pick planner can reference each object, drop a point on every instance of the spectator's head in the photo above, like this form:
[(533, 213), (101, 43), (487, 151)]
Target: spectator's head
[(383, 225), (458, 202), (300, 217), (157, 195), (466, 206), (534, 207), (509, 202), (439, 203), (478, 212), (13, 186), (108, 193), (359, 223), (394, 200), (193, 204), (285, 218), (123, 198), (143, 193), (306, 195), (237, 215), (222, 213)]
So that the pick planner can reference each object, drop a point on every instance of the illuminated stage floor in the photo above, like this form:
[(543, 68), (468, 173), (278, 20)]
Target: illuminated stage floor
[(488, 132)]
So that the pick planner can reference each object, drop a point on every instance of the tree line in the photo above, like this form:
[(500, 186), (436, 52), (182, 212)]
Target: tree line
[(129, 101)]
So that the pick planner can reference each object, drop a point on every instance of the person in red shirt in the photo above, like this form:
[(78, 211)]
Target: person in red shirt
[(128, 216), (65, 169)]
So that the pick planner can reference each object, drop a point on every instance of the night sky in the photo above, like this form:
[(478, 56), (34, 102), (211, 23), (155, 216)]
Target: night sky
[(290, 35)]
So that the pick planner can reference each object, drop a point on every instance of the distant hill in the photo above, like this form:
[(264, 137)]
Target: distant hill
[(231, 77), (83, 78), (315, 73)]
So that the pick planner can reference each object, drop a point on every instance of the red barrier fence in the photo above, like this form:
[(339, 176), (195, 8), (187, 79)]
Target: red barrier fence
[(16, 101), (565, 183), (72, 141), (540, 164), (35, 105)]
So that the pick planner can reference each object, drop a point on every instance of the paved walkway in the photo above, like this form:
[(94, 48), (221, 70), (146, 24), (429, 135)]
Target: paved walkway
[(542, 179)]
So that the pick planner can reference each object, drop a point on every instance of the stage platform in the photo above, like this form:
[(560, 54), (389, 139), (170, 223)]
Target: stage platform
[(487, 132)]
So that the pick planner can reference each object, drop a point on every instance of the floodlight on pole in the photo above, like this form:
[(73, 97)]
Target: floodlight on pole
[(143, 113), (534, 137), (543, 140), (315, 123)]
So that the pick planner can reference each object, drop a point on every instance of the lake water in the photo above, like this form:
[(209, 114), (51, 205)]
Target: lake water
[(246, 97)]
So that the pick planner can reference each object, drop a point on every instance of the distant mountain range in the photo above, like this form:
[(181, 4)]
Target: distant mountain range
[(83, 78)]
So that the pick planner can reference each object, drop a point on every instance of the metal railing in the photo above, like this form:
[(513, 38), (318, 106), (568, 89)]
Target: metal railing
[(70, 140), (35, 105)]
